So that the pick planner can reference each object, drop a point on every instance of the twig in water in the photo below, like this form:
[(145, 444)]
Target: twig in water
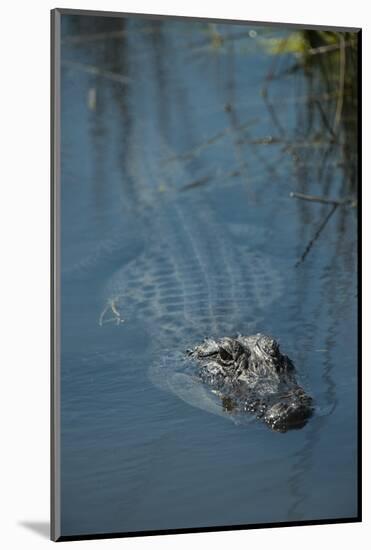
[(324, 200), (329, 47), (339, 105), (264, 92), (271, 109), (317, 234), (272, 113), (207, 179), (325, 119), (192, 153), (195, 183), (111, 305), (97, 71)]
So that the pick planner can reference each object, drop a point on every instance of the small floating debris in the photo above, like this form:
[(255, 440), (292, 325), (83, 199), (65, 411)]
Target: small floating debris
[(92, 99)]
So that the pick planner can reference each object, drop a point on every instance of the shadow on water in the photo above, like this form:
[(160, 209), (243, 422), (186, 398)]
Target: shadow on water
[(236, 120)]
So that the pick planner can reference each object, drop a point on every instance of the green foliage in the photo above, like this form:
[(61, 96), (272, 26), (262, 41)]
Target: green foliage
[(295, 43)]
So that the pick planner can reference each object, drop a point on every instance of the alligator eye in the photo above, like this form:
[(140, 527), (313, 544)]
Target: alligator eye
[(225, 355)]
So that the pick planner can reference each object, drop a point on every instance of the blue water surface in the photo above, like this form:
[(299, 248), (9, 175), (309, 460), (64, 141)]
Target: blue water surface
[(162, 111)]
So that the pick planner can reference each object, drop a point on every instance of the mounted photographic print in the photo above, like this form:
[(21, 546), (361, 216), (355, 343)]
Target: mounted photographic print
[(205, 250)]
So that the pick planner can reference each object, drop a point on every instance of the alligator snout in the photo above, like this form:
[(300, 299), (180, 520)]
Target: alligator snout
[(292, 415)]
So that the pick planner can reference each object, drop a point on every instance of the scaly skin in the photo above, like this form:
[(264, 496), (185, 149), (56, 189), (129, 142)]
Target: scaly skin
[(251, 375)]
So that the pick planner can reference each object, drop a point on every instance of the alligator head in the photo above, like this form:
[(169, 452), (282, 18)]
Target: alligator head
[(251, 375)]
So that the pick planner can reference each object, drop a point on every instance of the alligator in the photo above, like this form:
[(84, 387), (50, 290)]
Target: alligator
[(200, 276), (201, 283), (250, 374)]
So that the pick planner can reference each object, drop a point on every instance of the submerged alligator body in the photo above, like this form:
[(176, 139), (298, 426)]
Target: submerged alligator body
[(251, 375), (202, 276)]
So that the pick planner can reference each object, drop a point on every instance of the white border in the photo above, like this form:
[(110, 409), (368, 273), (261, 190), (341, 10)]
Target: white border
[(24, 219)]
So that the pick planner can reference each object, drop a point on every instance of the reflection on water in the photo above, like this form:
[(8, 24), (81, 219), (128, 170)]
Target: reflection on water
[(181, 143)]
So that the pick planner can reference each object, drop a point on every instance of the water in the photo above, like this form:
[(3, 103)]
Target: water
[(163, 119)]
